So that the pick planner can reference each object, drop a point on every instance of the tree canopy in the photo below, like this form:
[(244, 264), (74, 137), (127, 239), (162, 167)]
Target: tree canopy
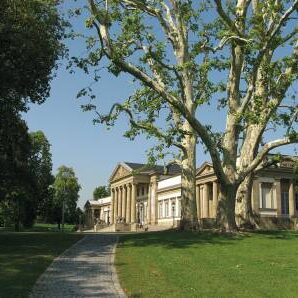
[(30, 36), (101, 192)]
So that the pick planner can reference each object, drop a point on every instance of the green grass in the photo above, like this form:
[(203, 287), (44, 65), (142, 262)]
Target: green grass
[(25, 255), (42, 227), (174, 264)]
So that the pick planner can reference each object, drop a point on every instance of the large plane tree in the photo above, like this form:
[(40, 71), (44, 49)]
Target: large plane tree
[(240, 54)]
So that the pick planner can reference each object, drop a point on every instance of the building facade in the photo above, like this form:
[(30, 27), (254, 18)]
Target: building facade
[(143, 196)]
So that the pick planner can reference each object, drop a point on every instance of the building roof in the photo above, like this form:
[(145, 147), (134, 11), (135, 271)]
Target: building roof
[(147, 169)]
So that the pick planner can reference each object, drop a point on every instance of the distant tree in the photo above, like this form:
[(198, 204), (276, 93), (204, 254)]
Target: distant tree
[(30, 36), (41, 167), (66, 194), (101, 192)]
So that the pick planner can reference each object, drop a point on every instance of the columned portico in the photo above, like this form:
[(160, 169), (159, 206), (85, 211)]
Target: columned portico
[(133, 203), (128, 203)]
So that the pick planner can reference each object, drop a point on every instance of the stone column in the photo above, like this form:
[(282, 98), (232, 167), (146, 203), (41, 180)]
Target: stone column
[(128, 203), (292, 203), (124, 201), (214, 198), (118, 202), (154, 200), (112, 218), (205, 201), (198, 201), (149, 204), (133, 203), (278, 196)]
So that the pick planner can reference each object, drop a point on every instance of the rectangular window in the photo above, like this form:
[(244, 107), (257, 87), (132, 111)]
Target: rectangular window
[(267, 196), (167, 208), (143, 190), (285, 203), (296, 200), (160, 210), (138, 191)]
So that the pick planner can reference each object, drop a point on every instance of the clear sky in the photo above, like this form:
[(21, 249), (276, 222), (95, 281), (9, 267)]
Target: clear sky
[(93, 151)]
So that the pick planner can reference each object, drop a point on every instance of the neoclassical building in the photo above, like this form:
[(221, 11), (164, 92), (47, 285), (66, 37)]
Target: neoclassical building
[(144, 196)]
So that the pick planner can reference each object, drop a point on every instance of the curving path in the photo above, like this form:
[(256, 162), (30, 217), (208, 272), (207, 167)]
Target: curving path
[(84, 270)]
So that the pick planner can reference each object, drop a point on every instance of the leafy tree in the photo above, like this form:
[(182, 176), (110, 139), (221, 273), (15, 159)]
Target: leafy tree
[(101, 192), (16, 178), (66, 194), (242, 55), (41, 167), (30, 36)]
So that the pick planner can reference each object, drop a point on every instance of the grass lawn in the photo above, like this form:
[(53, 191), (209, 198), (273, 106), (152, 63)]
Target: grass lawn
[(25, 255), (175, 264)]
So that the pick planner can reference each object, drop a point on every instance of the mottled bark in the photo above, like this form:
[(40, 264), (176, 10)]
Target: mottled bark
[(226, 208), (245, 216), (188, 181)]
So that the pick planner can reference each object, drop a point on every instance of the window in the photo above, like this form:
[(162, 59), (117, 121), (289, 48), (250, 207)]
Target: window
[(167, 208), (143, 190), (267, 196), (138, 191), (296, 200), (285, 203), (160, 210)]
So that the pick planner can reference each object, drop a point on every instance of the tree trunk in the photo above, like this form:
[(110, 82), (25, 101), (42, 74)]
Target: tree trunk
[(245, 216), (226, 208), (189, 218)]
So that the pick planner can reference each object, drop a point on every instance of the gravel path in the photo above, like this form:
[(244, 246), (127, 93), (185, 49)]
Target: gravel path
[(84, 270)]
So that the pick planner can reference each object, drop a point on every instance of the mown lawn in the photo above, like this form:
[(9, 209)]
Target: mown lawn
[(25, 255), (175, 264)]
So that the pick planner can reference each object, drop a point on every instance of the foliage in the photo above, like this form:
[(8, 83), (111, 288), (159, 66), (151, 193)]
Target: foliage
[(41, 167), (66, 190), (101, 192), (30, 36)]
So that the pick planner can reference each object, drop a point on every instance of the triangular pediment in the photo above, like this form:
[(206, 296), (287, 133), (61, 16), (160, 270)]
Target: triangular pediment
[(205, 169), (122, 170)]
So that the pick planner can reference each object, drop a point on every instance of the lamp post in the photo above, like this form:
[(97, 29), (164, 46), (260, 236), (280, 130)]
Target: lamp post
[(173, 212)]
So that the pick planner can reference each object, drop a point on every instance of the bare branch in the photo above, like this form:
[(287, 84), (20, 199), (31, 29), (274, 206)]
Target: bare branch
[(264, 151)]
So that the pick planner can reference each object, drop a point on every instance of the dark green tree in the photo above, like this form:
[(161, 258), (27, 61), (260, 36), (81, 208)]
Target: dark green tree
[(30, 36), (41, 167)]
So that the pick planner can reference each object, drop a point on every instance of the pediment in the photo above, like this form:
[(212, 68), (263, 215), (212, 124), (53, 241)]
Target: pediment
[(120, 172), (205, 169)]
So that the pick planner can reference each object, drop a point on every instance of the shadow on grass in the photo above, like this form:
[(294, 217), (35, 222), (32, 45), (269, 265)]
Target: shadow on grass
[(177, 240), (278, 234)]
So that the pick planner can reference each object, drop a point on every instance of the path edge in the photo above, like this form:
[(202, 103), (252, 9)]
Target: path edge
[(115, 278)]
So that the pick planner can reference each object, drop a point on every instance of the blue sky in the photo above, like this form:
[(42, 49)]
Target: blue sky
[(93, 151)]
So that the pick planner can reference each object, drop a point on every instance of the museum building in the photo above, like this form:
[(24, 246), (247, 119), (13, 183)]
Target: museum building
[(143, 196)]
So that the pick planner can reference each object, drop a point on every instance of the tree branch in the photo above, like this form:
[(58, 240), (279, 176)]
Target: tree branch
[(265, 150)]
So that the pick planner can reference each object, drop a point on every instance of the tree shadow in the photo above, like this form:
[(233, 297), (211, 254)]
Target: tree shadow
[(179, 240)]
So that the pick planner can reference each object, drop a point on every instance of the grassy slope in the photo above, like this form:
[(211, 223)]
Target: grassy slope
[(24, 256), (173, 264)]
